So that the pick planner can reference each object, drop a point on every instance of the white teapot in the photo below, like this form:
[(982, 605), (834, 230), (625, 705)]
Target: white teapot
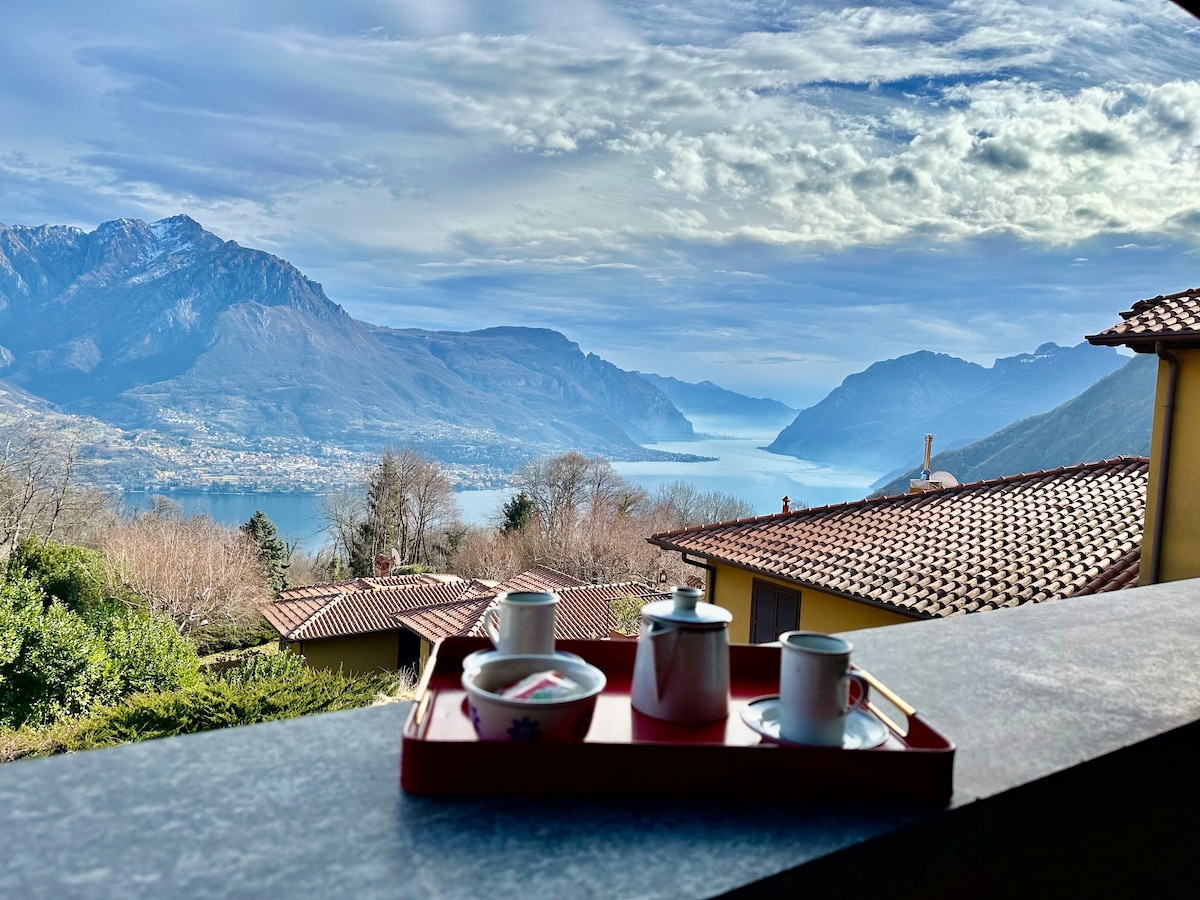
[(681, 671)]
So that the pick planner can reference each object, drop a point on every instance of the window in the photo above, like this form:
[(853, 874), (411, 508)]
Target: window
[(773, 610)]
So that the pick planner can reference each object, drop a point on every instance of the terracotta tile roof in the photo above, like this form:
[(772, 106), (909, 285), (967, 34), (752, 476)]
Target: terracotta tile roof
[(1172, 319), (539, 578), (984, 545), (583, 612), (311, 590), (399, 580), (350, 608), (435, 606), (1120, 575), (436, 622)]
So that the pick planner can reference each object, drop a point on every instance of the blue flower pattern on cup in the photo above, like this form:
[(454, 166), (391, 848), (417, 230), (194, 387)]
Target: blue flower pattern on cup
[(525, 729), (475, 719)]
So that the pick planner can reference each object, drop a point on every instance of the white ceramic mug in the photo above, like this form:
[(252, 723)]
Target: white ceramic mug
[(814, 688), (522, 622)]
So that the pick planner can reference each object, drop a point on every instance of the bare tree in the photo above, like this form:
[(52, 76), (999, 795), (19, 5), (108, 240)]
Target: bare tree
[(679, 504), (586, 520), (407, 504), (194, 571), (42, 492), (343, 513), (489, 553)]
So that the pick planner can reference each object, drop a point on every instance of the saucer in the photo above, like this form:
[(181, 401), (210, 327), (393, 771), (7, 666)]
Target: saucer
[(474, 659), (863, 731)]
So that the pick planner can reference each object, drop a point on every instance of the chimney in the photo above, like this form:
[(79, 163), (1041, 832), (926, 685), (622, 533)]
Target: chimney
[(928, 453), (787, 503)]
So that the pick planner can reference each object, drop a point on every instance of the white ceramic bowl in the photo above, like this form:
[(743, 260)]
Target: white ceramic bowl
[(498, 718), (474, 660)]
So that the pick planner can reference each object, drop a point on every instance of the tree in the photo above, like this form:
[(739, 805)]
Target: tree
[(563, 489), (408, 505), (75, 576), (272, 551), (51, 663), (42, 492), (679, 504), (517, 513), (193, 571)]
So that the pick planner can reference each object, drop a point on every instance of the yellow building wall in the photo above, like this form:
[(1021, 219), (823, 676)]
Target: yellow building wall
[(355, 655), (818, 611), (1180, 556)]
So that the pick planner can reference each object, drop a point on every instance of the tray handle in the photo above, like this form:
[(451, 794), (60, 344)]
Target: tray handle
[(888, 694), (424, 694)]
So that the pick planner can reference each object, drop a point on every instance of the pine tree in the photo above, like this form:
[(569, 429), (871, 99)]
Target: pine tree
[(272, 551), (517, 512)]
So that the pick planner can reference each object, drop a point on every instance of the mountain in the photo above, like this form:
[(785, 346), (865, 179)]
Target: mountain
[(877, 418), (714, 409), (1111, 418), (165, 326)]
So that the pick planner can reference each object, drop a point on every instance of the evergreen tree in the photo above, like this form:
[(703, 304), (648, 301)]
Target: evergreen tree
[(517, 512), (271, 549)]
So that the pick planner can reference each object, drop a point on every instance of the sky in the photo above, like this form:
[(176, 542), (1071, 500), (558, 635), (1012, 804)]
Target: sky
[(767, 195)]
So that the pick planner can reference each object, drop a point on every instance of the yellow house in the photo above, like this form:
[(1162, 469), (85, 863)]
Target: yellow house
[(1169, 327), (351, 625), (1009, 541)]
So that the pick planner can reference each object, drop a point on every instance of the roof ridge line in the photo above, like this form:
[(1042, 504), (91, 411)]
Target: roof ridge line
[(318, 613), (849, 504)]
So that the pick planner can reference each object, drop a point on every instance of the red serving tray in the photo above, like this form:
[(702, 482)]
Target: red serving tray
[(628, 753)]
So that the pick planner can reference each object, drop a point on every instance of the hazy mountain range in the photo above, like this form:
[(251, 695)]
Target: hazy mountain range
[(877, 418), (165, 326), (165, 329), (1111, 418), (714, 410)]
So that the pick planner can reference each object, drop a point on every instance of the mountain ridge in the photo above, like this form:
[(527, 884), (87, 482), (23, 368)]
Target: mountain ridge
[(1111, 418), (877, 418), (164, 325)]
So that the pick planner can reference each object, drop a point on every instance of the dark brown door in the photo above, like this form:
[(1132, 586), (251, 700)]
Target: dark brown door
[(773, 610)]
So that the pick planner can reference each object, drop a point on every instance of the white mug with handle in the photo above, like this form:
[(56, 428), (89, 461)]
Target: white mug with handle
[(522, 622), (814, 688)]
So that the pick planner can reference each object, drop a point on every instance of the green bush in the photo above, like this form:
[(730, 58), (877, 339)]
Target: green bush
[(221, 637), (215, 704), (262, 667), (221, 704), (52, 664), (75, 576), (146, 653)]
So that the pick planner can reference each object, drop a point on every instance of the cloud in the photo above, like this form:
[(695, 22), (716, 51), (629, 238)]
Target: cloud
[(673, 173)]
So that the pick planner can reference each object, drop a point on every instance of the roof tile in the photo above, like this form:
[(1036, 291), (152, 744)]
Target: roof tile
[(1173, 319), (1064, 532)]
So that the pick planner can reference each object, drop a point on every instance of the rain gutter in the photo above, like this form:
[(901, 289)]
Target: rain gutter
[(1168, 427), (712, 573)]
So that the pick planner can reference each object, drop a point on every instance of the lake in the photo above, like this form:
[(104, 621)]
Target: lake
[(742, 469)]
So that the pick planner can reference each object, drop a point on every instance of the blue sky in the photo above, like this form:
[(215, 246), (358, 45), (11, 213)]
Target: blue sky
[(768, 195)]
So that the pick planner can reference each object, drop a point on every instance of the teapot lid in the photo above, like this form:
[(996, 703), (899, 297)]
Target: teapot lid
[(685, 608)]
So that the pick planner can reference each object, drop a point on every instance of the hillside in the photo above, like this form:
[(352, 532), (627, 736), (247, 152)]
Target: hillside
[(165, 326), (1111, 418), (877, 418)]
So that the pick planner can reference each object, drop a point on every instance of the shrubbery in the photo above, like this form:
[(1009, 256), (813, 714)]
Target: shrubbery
[(147, 654), (75, 576), (52, 663), (55, 662), (219, 703)]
